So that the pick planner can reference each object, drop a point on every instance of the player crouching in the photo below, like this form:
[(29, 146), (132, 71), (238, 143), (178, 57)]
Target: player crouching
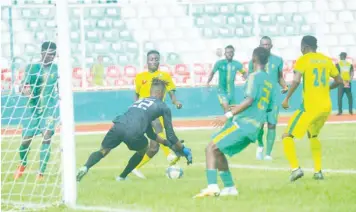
[(238, 133), (131, 128)]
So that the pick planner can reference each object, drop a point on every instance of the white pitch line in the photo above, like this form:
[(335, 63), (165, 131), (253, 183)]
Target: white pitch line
[(241, 166)]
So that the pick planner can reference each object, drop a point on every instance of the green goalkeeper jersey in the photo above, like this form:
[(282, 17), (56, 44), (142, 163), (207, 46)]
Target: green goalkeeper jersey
[(43, 82)]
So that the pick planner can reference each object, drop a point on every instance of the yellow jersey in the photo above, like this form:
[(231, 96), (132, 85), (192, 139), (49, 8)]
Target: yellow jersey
[(316, 70), (143, 82), (345, 70)]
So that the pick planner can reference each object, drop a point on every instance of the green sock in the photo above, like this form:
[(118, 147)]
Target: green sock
[(93, 159), (271, 136), (260, 137), (23, 151), (212, 176), (44, 156), (226, 177)]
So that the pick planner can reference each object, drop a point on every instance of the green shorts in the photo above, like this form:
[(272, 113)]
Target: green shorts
[(232, 138), (35, 122), (226, 99)]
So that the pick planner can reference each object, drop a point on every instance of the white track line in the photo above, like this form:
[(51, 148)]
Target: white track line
[(180, 129)]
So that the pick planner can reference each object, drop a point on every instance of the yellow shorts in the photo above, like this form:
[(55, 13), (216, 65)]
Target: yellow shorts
[(302, 122)]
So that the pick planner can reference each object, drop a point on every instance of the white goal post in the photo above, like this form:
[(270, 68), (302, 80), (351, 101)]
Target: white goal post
[(58, 186)]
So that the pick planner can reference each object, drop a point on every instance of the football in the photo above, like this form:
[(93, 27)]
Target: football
[(174, 172)]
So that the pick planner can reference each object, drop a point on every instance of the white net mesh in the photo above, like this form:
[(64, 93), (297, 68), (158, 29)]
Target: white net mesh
[(29, 109)]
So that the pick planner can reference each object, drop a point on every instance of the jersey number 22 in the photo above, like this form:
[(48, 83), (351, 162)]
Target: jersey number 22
[(143, 104)]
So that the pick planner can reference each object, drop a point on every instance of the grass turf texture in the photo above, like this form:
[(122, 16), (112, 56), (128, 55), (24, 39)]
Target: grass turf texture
[(260, 190)]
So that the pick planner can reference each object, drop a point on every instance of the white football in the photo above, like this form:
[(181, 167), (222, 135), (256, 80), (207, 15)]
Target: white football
[(174, 172)]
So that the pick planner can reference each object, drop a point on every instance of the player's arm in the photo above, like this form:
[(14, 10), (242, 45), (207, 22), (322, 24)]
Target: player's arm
[(26, 83), (137, 87), (171, 88), (173, 141), (212, 73), (243, 72), (352, 72), (250, 95), (281, 80), (334, 73)]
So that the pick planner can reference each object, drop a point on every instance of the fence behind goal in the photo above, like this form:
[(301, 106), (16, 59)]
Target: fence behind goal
[(186, 33)]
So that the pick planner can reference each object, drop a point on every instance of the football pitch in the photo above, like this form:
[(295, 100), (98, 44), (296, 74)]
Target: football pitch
[(263, 185)]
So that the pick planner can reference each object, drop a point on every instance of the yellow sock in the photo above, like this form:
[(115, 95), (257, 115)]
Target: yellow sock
[(165, 149), (316, 153), (144, 160), (289, 150)]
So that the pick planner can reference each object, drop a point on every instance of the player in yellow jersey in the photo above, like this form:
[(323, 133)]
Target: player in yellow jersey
[(143, 82), (316, 70)]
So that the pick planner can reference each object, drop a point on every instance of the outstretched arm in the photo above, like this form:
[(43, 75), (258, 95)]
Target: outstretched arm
[(295, 83)]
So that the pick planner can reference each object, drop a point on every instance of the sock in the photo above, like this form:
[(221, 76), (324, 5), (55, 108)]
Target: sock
[(271, 136), (44, 156), (260, 137), (93, 159), (144, 160), (226, 177), (133, 162), (23, 151), (165, 149), (212, 176), (289, 150), (316, 153)]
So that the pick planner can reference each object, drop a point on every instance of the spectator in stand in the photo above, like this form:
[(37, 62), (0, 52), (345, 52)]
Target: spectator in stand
[(98, 72), (346, 71)]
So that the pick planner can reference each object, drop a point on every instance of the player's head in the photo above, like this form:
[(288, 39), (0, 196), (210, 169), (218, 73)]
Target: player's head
[(266, 42), (343, 55), (158, 88), (48, 52), (309, 44), (260, 57), (229, 52), (100, 59), (153, 58)]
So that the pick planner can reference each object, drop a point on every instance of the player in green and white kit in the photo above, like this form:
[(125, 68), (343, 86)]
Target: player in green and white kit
[(237, 134), (227, 69), (40, 85), (274, 68)]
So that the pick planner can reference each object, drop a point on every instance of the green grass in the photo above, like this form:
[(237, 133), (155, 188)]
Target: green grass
[(260, 190)]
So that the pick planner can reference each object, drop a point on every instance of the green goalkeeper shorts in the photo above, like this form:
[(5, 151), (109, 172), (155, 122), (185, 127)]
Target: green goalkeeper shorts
[(35, 122)]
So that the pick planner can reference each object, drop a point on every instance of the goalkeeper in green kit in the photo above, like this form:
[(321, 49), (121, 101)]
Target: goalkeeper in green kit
[(40, 86)]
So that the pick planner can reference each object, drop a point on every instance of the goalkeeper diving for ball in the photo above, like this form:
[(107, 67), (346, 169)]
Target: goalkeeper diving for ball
[(131, 128), (40, 85)]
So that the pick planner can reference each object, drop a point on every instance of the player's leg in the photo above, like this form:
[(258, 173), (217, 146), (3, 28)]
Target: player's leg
[(30, 123), (340, 94), (224, 102), (348, 92), (138, 145), (260, 146), (112, 139), (297, 127), (226, 141), (45, 152), (272, 119), (315, 144), (171, 157)]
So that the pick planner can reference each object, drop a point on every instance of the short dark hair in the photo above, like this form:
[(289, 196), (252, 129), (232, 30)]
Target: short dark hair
[(262, 54), (152, 52), (311, 41), (266, 38), (48, 45), (343, 54), (158, 84), (230, 47)]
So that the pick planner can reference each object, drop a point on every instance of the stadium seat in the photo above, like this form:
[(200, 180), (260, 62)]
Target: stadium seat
[(338, 28), (330, 17), (236, 20), (118, 24), (181, 69), (211, 9), (266, 19), (128, 12), (47, 13), (92, 35), (103, 24), (111, 35), (227, 9), (226, 32), (241, 9), (347, 39), (112, 74), (113, 12), (289, 7), (346, 16), (273, 8), (306, 6), (307, 29), (336, 5), (166, 68)]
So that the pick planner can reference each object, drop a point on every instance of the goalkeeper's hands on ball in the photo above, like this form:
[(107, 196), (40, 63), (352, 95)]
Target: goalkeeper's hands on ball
[(180, 150)]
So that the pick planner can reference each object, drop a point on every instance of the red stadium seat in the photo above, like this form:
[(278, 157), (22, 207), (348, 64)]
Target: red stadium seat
[(166, 68), (199, 69), (181, 69), (130, 71), (113, 72)]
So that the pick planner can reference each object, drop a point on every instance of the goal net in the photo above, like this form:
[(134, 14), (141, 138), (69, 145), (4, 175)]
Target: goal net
[(33, 172)]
